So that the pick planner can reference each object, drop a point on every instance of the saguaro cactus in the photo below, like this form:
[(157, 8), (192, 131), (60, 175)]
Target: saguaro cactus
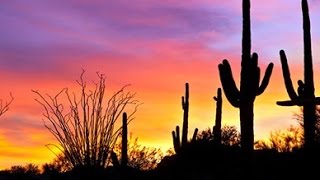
[(124, 141), (124, 145), (217, 127), (176, 134), (305, 93), (185, 107), (249, 83)]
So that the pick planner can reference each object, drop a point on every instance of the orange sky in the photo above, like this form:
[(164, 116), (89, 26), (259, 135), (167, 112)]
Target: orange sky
[(156, 47)]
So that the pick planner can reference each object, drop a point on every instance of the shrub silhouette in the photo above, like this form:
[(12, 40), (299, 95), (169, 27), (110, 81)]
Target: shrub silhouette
[(203, 158), (29, 171), (305, 94), (283, 140), (249, 84), (139, 156), (58, 165), (229, 136), (133, 155)]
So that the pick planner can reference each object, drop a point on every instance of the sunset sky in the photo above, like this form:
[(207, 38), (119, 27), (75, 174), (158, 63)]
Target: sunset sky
[(156, 46)]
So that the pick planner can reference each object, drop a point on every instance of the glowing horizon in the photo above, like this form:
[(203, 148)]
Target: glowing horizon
[(156, 46)]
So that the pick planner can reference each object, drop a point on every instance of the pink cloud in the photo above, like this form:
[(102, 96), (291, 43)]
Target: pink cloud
[(156, 46)]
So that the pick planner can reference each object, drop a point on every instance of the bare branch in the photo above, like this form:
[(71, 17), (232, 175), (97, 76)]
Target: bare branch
[(85, 124), (4, 106)]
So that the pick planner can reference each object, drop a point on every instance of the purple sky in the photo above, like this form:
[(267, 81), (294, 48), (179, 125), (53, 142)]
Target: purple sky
[(156, 46)]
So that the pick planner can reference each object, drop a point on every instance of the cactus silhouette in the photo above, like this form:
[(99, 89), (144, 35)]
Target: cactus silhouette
[(124, 145), (249, 83), (124, 141), (217, 127), (305, 92), (176, 134), (185, 107)]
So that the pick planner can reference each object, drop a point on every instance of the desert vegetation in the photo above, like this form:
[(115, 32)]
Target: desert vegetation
[(94, 139)]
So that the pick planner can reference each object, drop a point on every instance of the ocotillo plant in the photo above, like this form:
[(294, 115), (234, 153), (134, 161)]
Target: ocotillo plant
[(217, 127), (249, 83), (305, 93), (124, 141), (176, 134)]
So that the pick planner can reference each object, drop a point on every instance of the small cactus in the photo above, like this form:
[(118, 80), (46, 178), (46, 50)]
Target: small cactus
[(124, 141), (185, 107), (217, 127), (176, 134)]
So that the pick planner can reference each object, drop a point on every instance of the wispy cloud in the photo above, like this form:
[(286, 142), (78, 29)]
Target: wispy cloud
[(156, 46)]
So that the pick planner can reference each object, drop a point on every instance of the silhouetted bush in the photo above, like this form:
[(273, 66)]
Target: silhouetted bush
[(230, 136), (85, 126), (140, 157), (283, 140)]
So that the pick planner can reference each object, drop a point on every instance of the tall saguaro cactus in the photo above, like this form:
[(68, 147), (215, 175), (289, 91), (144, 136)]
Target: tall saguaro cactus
[(250, 86), (305, 93), (176, 134), (217, 126)]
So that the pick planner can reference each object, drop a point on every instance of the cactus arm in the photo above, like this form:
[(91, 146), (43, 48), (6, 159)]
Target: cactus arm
[(265, 80), (299, 102), (255, 73), (286, 75), (218, 97), (176, 139), (228, 84), (182, 102), (287, 103)]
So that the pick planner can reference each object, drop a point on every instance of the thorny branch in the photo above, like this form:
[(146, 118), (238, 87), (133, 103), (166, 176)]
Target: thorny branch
[(85, 126)]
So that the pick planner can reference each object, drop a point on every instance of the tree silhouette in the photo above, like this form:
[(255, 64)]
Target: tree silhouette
[(28, 171), (250, 86), (229, 136), (58, 165), (18, 169), (305, 94), (85, 126), (283, 140)]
